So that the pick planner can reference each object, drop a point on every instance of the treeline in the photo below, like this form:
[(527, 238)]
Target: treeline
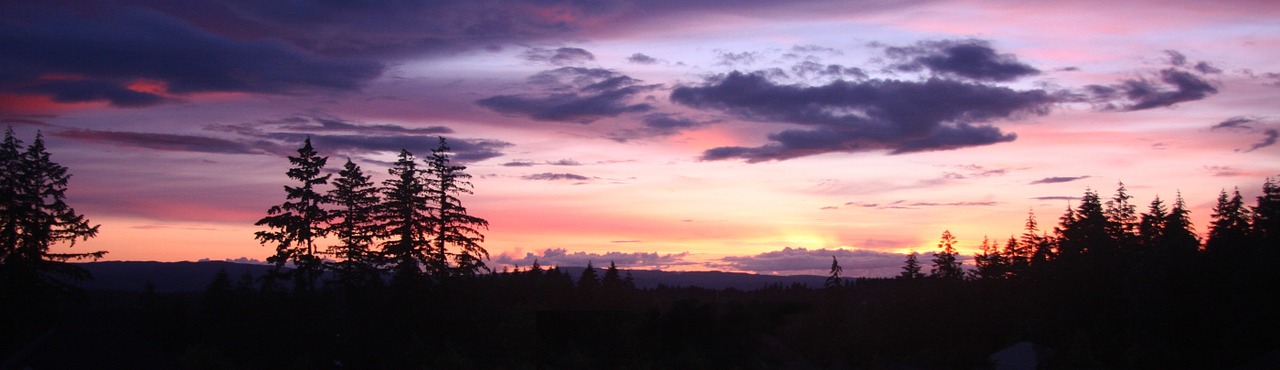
[(1113, 234), (1108, 287), (414, 224)]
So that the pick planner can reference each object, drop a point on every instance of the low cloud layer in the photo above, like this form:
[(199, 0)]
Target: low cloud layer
[(854, 262), (562, 257)]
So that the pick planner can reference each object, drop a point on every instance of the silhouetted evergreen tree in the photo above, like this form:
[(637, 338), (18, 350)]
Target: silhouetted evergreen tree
[(11, 184), (1266, 216), (35, 217), (833, 278), (1152, 224), (588, 282), (911, 268), (1085, 230), (1229, 230), (454, 227), (1033, 248), (404, 219), (357, 200), (612, 278), (989, 263), (295, 224), (1122, 217), (1179, 234), (945, 264)]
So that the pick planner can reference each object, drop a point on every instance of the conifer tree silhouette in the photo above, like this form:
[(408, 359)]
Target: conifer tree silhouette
[(612, 279), (404, 219), (588, 282), (295, 225), (1229, 230), (990, 263), (357, 200), (911, 268), (1266, 216), (34, 216), (1179, 234), (833, 277), (454, 227), (1122, 217), (1151, 225), (945, 264), (1085, 230)]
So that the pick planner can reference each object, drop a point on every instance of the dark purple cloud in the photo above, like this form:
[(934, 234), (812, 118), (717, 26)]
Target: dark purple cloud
[(562, 257), (549, 176), (99, 53), (855, 262), (639, 58), (335, 136), (892, 115), (574, 94), (813, 70), (1240, 122), (162, 142), (23, 122), (1269, 140), (520, 164), (1058, 179), (1171, 86), (559, 56), (969, 59)]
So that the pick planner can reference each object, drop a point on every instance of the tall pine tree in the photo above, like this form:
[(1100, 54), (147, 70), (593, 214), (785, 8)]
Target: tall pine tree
[(1179, 234), (833, 278), (1229, 230), (454, 227), (1266, 216), (295, 225), (990, 263), (945, 264), (357, 200), (1122, 219), (35, 217), (1151, 225), (911, 268), (404, 219)]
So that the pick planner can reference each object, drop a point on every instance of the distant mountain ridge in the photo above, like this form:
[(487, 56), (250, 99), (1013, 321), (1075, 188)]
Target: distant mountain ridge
[(196, 276)]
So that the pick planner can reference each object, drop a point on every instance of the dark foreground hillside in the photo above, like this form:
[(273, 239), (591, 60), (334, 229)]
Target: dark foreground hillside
[(553, 319)]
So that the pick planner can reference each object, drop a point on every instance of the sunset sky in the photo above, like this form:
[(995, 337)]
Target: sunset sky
[(757, 136)]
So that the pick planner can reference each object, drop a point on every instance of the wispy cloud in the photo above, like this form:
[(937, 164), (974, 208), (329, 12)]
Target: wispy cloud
[(1058, 179), (559, 56), (549, 176)]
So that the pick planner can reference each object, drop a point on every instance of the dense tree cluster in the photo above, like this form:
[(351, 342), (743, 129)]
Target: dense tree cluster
[(1111, 286), (413, 225)]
